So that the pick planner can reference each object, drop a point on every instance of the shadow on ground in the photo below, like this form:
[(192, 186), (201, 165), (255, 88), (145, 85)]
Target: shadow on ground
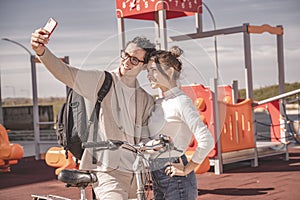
[(236, 191), (27, 171)]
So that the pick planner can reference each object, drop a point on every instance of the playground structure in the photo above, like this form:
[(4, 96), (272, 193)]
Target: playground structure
[(9, 153), (230, 120)]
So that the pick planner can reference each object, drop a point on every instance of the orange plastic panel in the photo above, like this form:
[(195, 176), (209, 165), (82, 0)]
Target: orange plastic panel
[(55, 157), (236, 120), (273, 109), (265, 28), (237, 132), (201, 96)]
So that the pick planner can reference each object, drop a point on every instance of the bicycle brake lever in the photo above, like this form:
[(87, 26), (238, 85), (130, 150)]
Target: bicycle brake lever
[(168, 144), (164, 138)]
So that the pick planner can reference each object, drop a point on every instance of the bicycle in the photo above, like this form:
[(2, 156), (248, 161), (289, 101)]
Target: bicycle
[(82, 179)]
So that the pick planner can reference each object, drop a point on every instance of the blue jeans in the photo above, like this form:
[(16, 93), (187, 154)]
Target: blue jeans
[(172, 188)]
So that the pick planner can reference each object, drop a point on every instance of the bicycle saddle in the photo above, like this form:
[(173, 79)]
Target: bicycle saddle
[(75, 178)]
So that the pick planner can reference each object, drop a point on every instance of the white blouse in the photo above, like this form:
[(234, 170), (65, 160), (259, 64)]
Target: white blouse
[(176, 116)]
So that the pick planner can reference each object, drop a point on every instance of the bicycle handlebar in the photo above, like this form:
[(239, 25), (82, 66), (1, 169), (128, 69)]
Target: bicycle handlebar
[(116, 144)]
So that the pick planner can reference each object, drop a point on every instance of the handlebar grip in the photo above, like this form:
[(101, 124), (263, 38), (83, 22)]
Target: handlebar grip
[(103, 145)]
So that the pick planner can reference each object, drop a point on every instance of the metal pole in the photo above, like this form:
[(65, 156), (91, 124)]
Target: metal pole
[(121, 33), (198, 21), (162, 29), (218, 162), (280, 58), (249, 83), (235, 91), (34, 99), (157, 32), (248, 65), (36, 126), (215, 41), (281, 96)]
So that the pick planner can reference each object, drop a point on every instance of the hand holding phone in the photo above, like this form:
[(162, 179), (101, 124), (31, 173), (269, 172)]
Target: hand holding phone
[(50, 26)]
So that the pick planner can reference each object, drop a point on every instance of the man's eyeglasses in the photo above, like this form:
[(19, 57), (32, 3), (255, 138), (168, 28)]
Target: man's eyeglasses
[(133, 60)]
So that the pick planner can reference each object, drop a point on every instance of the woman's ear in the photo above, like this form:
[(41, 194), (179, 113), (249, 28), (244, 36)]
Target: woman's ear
[(144, 67), (171, 72)]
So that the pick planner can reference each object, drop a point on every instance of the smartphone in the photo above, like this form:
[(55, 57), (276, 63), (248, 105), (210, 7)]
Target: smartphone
[(50, 26)]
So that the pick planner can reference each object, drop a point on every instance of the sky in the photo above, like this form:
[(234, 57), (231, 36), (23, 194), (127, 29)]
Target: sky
[(87, 33)]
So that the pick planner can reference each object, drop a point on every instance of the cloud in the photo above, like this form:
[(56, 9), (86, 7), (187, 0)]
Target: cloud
[(83, 25)]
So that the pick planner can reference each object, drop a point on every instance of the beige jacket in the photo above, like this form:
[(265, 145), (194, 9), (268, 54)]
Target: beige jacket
[(87, 83)]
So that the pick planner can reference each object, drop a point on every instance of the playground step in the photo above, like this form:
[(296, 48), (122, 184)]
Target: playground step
[(264, 149)]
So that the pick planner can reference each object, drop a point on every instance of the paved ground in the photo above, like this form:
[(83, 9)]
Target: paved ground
[(273, 179)]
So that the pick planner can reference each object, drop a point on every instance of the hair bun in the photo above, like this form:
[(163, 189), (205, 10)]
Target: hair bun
[(176, 51)]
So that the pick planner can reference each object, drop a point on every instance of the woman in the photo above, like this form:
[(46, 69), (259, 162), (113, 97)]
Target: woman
[(174, 115)]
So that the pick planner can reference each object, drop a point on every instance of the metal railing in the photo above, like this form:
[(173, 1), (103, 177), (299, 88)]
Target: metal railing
[(281, 96)]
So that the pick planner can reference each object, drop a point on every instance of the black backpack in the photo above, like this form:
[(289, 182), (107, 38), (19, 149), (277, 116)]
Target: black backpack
[(71, 121)]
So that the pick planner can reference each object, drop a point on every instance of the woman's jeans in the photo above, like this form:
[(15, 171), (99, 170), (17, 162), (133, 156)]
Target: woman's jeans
[(172, 188)]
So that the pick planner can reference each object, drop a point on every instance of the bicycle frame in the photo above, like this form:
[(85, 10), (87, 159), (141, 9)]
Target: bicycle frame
[(138, 165)]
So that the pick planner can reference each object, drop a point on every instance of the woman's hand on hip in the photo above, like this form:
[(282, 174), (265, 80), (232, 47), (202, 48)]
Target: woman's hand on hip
[(175, 169)]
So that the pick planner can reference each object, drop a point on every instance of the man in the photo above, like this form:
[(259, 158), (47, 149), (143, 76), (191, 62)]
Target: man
[(123, 115)]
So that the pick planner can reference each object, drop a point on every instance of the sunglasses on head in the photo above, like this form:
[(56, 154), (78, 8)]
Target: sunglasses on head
[(133, 60)]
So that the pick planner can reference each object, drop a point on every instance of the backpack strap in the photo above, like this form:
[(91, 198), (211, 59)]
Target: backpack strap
[(67, 117), (103, 91), (95, 114)]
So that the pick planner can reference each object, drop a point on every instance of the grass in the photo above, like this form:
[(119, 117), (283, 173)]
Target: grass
[(270, 91)]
